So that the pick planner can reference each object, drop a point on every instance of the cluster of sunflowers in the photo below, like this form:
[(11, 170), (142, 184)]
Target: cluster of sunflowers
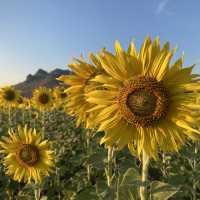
[(138, 99), (28, 156), (42, 99)]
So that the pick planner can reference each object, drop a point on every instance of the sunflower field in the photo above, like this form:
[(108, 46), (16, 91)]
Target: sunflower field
[(121, 126)]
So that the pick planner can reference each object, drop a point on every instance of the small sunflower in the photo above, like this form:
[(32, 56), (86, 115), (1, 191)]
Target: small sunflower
[(27, 156), (42, 98), (146, 104), (34, 115), (9, 96), (59, 95), (79, 83), (28, 103), (21, 102)]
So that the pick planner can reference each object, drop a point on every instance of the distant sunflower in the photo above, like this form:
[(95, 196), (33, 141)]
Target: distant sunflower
[(27, 156), (59, 95), (27, 103), (9, 96), (20, 102), (146, 104), (34, 115), (42, 98), (79, 83)]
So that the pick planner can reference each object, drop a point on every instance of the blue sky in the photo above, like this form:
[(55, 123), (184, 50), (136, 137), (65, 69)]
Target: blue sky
[(49, 33)]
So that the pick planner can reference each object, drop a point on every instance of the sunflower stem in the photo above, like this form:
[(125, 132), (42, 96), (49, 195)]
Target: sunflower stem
[(88, 146), (145, 165), (37, 192), (164, 163), (10, 194), (23, 117), (43, 123), (194, 168), (9, 116), (109, 173)]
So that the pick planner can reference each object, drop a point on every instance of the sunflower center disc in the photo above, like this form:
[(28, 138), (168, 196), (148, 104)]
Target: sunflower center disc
[(44, 98), (9, 95), (20, 101), (28, 154), (63, 95), (143, 101)]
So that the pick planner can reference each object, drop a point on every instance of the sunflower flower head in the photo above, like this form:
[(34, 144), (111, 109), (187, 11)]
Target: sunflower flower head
[(21, 102), (78, 83), (59, 96), (145, 102), (42, 98), (9, 96), (27, 157), (59, 93), (34, 115)]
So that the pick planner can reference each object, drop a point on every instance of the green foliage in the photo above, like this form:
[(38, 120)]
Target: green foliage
[(128, 185), (161, 190)]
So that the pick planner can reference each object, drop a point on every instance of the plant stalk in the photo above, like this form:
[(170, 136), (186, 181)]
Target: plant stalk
[(194, 196), (43, 124), (37, 192), (145, 165), (9, 116), (109, 167), (88, 146), (10, 194)]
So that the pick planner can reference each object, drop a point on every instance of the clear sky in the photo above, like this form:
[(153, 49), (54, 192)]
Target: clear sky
[(49, 33)]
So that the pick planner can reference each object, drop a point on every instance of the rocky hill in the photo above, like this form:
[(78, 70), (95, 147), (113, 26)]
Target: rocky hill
[(40, 78)]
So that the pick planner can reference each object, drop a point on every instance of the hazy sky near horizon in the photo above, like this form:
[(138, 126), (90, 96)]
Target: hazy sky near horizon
[(49, 33)]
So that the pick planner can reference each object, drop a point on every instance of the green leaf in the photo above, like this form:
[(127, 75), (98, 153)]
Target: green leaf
[(129, 185), (175, 180), (131, 176), (88, 193), (162, 191)]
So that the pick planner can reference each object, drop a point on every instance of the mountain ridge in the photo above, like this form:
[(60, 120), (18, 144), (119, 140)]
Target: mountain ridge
[(41, 78)]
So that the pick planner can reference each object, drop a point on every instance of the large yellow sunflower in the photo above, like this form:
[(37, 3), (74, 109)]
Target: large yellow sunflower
[(145, 104), (78, 84), (9, 96), (27, 156), (42, 98)]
